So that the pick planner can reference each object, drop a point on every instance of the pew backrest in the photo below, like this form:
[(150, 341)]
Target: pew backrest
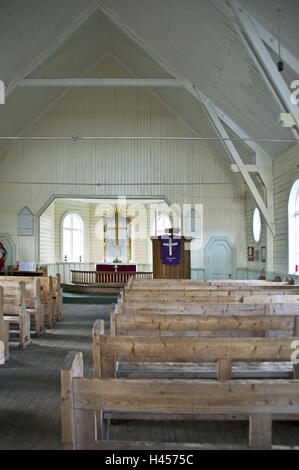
[(4, 333), (107, 350), (161, 324), (84, 401)]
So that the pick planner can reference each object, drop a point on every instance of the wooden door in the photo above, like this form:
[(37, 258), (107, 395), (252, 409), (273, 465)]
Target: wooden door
[(219, 259)]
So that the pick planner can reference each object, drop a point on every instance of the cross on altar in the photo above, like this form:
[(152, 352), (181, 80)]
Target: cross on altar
[(170, 245)]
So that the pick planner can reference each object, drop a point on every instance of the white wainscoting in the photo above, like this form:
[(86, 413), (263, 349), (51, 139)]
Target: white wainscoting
[(65, 268)]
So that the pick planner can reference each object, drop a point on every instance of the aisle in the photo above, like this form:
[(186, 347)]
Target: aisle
[(30, 415)]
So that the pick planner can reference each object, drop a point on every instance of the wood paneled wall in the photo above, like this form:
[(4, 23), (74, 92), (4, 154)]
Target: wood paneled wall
[(128, 112)]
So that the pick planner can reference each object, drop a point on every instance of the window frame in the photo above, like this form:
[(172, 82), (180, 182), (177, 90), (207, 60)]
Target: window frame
[(292, 215), (22, 226), (257, 211), (71, 230)]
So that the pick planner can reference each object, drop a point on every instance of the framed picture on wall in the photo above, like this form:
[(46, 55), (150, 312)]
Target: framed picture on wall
[(263, 254), (250, 253), (256, 255)]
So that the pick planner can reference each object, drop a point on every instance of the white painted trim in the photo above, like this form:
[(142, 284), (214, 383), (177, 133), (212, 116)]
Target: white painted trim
[(249, 168), (83, 234), (100, 82)]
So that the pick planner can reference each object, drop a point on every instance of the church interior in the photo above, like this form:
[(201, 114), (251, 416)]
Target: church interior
[(149, 230)]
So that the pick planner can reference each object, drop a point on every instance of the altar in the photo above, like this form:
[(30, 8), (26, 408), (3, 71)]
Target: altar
[(115, 267)]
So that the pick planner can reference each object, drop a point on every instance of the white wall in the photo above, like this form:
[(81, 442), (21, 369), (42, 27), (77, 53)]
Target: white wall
[(285, 174), (250, 207), (127, 112)]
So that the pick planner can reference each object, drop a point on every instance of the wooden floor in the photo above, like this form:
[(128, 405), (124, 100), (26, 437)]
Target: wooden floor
[(30, 395)]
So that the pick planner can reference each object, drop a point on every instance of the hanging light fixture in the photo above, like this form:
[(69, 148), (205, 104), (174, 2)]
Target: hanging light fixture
[(280, 62)]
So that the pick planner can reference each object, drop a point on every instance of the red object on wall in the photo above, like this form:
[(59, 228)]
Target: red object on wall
[(297, 268), (2, 256)]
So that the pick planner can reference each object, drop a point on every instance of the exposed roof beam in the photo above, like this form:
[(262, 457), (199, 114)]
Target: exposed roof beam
[(238, 161), (249, 168), (262, 157), (259, 66), (100, 82), (251, 52), (272, 42), (198, 95), (268, 39), (53, 44), (265, 60)]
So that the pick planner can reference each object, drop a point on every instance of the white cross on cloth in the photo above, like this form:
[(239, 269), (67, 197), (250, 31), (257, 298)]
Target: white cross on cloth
[(115, 267), (170, 245)]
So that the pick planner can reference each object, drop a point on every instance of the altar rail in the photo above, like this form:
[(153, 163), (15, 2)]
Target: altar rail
[(96, 277)]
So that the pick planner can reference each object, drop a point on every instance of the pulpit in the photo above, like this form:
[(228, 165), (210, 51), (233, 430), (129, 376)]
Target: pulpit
[(171, 256)]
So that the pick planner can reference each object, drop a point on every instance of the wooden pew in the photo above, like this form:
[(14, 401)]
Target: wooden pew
[(176, 294), (107, 350), (85, 401), (212, 289), (48, 299), (33, 299), (199, 325), (200, 299), (180, 283), (4, 333), (58, 297), (192, 308), (15, 312), (208, 308), (47, 293)]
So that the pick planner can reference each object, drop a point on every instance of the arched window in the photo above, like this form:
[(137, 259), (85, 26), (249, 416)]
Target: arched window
[(293, 213), (26, 222), (72, 238), (256, 225)]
